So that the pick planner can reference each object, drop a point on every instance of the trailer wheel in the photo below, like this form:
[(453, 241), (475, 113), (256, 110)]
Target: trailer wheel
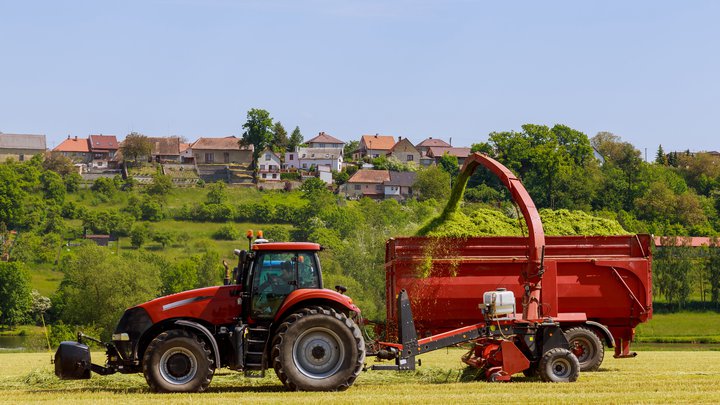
[(178, 361), (587, 347), (318, 349), (559, 365)]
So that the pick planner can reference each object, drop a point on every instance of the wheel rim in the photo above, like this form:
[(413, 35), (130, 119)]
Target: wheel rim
[(318, 353), (582, 349), (178, 366), (561, 368)]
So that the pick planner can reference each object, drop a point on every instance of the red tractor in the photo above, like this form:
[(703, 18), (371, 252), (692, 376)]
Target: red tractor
[(272, 312)]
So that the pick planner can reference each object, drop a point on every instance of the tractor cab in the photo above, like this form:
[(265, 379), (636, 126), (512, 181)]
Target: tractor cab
[(276, 270)]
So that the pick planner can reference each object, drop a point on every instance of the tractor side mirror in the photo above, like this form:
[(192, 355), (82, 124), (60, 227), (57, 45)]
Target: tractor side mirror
[(340, 288)]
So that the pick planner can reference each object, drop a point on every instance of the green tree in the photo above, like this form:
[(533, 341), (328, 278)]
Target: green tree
[(660, 156), (104, 186), (312, 186), (12, 196), (15, 295), (136, 145), (349, 149), (161, 185), (53, 187), (98, 285), (449, 163), (280, 138), (140, 234), (164, 238), (217, 193), (296, 139), (180, 276), (258, 131), (432, 182)]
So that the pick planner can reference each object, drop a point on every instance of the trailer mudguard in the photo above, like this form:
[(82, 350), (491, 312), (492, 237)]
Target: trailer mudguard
[(609, 340), (206, 332)]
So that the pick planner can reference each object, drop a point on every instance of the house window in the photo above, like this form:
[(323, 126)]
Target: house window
[(262, 167), (21, 158), (209, 158), (410, 158), (357, 187), (274, 176), (263, 176), (291, 157), (378, 187), (304, 165), (267, 157), (226, 157)]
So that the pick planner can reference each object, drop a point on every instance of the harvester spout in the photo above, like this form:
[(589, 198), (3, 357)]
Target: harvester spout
[(532, 276)]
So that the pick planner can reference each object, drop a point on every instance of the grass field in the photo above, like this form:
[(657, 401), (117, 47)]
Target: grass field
[(652, 377)]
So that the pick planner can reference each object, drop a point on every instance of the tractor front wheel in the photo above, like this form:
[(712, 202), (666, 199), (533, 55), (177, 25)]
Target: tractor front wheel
[(318, 349), (178, 361), (559, 365)]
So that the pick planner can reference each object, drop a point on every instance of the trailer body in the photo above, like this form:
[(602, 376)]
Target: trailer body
[(600, 279)]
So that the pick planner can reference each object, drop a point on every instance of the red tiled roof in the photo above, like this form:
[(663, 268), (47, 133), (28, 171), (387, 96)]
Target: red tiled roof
[(103, 142), (76, 144), (227, 143), (324, 138), (370, 176), (184, 147), (437, 151), (406, 142), (378, 142), (433, 142)]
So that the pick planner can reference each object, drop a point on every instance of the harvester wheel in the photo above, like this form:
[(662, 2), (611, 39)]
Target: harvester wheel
[(318, 349), (178, 361), (587, 347), (559, 365)]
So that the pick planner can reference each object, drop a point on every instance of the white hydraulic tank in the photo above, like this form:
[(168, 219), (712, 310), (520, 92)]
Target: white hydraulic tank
[(499, 303)]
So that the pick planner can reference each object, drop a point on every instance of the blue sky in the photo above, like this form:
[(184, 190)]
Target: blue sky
[(645, 70)]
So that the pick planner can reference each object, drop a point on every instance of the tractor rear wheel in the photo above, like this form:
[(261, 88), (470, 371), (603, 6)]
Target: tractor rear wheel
[(318, 349), (587, 347), (178, 361), (559, 365)]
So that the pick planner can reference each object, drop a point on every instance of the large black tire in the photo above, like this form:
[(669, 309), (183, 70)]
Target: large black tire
[(318, 349), (178, 361), (559, 365), (587, 347)]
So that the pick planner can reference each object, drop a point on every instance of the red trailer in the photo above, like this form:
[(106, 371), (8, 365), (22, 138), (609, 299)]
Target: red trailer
[(600, 283)]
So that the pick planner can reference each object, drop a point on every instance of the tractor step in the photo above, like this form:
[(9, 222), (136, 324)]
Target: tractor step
[(256, 341)]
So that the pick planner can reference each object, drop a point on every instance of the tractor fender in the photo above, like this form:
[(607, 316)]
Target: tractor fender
[(206, 332), (302, 297), (609, 340)]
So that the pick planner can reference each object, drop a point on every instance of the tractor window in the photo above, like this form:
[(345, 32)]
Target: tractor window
[(274, 278), (307, 271)]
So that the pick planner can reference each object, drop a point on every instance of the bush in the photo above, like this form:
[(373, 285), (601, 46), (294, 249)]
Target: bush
[(227, 232), (290, 176)]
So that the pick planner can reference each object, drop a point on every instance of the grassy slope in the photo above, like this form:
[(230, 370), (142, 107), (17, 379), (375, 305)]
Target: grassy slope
[(682, 327), (655, 377)]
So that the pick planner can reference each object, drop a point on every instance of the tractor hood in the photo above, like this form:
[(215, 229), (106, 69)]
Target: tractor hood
[(217, 305)]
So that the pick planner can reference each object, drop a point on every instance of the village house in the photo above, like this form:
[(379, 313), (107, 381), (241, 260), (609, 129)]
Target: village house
[(400, 185), (75, 149), (367, 183), (21, 147), (374, 146), (103, 149), (269, 166), (405, 152), (221, 150), (437, 152), (309, 159), (165, 149), (325, 141), (424, 146)]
